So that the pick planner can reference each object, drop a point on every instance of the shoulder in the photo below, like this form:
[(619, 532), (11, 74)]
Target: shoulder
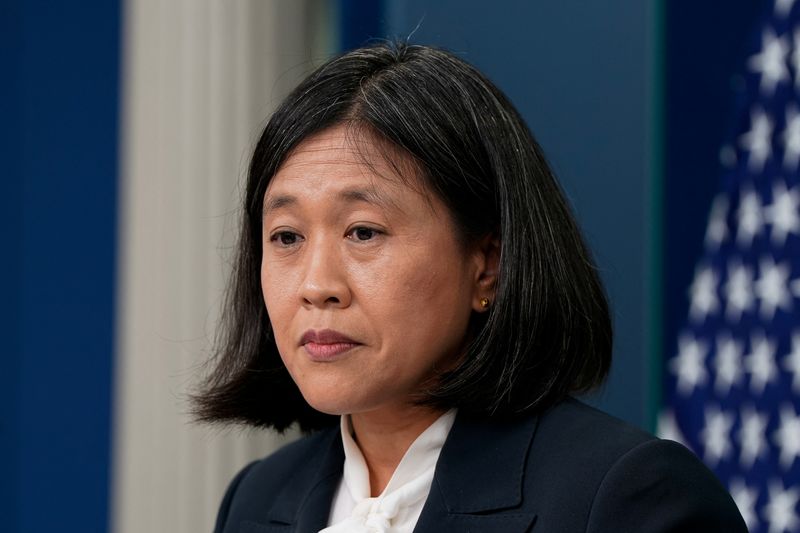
[(297, 456), (661, 486), (261, 481), (590, 468), (587, 431)]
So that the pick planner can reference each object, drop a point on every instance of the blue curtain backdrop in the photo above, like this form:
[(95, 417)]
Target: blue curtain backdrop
[(59, 97)]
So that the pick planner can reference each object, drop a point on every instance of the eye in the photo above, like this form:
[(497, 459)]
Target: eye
[(285, 238), (363, 233)]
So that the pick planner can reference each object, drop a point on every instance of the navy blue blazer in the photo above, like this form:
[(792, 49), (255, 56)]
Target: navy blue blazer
[(570, 469)]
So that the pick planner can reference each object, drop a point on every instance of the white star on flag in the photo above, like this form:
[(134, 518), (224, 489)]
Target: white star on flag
[(716, 435), (751, 436), (780, 510), (745, 498), (727, 363), (738, 291), (791, 363), (749, 218), (787, 436), (689, 365), (772, 287), (791, 137), (757, 140), (783, 212), (717, 229), (760, 363), (783, 7), (771, 61), (703, 294)]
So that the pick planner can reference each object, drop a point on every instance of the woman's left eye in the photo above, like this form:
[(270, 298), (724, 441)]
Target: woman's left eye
[(362, 233)]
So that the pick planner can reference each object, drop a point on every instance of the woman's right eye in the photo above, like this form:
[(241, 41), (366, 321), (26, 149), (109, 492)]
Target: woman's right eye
[(285, 238)]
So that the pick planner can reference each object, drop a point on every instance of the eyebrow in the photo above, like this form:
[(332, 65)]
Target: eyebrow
[(369, 196)]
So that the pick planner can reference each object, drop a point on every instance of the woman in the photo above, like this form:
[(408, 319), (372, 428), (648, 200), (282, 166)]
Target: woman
[(412, 290)]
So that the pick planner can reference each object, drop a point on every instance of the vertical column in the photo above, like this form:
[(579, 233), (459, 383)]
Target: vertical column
[(200, 78)]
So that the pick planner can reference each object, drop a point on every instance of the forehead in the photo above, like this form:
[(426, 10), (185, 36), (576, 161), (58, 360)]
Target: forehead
[(344, 156)]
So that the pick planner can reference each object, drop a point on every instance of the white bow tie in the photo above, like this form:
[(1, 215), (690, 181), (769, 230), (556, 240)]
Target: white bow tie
[(398, 508), (375, 515)]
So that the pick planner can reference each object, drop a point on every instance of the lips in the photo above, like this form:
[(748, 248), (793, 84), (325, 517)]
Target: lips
[(325, 336), (326, 345)]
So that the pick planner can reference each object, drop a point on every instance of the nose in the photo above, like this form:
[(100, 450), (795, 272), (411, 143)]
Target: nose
[(325, 280)]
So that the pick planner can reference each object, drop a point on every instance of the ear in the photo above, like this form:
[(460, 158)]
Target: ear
[(487, 260)]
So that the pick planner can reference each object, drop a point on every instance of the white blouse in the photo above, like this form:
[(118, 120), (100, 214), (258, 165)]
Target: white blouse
[(397, 508)]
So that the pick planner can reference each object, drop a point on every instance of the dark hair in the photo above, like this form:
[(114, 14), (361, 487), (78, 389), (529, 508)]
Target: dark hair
[(548, 333)]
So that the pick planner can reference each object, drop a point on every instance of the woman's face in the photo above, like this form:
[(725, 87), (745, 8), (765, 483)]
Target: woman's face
[(368, 289)]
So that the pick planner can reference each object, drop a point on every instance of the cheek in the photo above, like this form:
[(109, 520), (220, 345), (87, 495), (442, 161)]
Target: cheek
[(268, 290), (278, 283), (278, 294), (429, 300), (438, 275)]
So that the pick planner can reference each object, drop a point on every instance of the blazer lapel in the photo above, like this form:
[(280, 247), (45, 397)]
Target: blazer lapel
[(305, 503), (478, 483)]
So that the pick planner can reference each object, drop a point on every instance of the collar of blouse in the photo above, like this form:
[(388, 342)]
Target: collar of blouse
[(477, 484)]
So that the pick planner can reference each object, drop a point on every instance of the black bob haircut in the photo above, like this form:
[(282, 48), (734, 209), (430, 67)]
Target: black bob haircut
[(548, 332)]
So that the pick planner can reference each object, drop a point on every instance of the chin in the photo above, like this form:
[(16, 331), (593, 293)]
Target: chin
[(334, 402), (329, 403)]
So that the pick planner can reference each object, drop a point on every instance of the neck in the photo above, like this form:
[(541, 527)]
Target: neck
[(384, 436)]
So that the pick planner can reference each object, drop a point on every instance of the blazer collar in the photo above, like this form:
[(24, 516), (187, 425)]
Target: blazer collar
[(479, 478), (305, 502), (477, 484)]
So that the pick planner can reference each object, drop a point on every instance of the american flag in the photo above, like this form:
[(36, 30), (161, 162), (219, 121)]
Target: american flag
[(732, 383)]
